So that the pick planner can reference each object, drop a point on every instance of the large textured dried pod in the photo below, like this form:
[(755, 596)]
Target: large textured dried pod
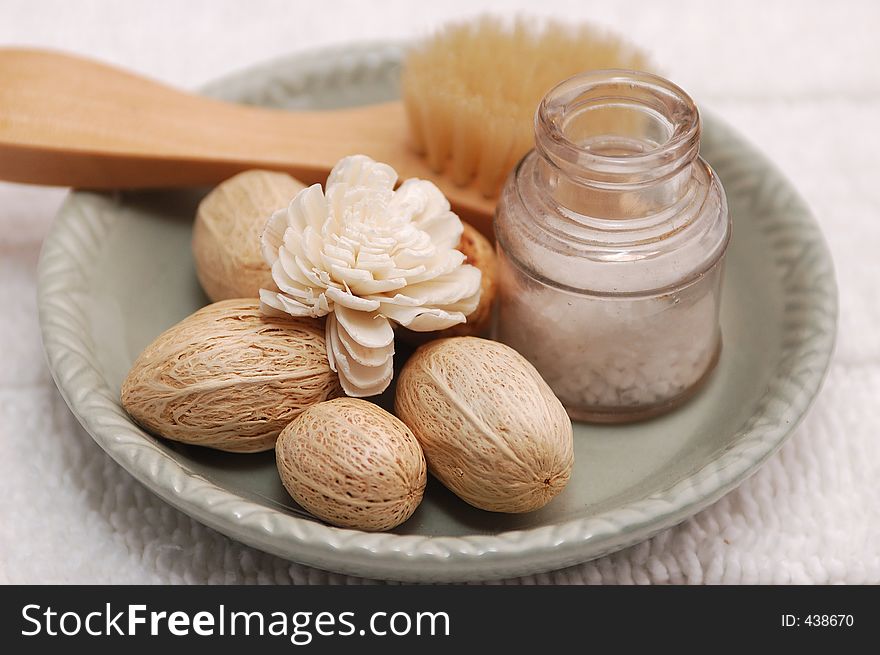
[(353, 464), (229, 378), (479, 252), (226, 233), (491, 428)]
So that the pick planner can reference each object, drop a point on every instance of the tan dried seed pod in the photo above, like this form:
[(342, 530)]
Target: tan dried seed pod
[(491, 428), (229, 378), (352, 464), (226, 233)]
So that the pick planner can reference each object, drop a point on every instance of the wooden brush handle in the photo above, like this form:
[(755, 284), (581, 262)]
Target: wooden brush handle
[(74, 122)]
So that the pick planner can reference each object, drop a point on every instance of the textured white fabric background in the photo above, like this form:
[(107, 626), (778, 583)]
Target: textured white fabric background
[(798, 78)]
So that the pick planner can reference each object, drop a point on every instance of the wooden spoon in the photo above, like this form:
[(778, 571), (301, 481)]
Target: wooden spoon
[(70, 121)]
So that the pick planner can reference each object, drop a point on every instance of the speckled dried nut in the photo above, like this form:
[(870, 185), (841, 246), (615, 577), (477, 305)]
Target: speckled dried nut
[(229, 378), (226, 233), (491, 429), (352, 464)]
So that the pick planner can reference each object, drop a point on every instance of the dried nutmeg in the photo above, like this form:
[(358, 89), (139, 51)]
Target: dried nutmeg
[(226, 233), (491, 429), (353, 464), (229, 378)]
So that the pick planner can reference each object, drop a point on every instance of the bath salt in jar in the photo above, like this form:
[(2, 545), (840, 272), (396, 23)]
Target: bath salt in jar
[(611, 236)]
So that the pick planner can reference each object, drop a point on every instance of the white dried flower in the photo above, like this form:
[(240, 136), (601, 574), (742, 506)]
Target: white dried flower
[(367, 256)]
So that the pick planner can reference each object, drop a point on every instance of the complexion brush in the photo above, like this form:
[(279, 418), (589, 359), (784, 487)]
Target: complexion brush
[(469, 91)]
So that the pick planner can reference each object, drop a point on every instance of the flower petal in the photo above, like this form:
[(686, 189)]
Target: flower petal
[(446, 263), (362, 283), (329, 328), (360, 381), (311, 244), (418, 254), (400, 273), (373, 262), (370, 330), (362, 392), (270, 305), (444, 229), (370, 287), (338, 255), (273, 235), (466, 306), (284, 303), (362, 171), (447, 289), (292, 274), (346, 275), (309, 273), (345, 299), (365, 356), (289, 286), (430, 211), (421, 319), (309, 207), (357, 380)]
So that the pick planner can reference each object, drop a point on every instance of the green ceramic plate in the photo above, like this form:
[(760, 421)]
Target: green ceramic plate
[(116, 271)]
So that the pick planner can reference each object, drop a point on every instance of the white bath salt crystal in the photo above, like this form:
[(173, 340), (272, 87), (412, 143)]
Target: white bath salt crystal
[(648, 353), (613, 376), (628, 377)]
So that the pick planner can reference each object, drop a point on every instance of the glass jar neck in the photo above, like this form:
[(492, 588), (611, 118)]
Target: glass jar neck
[(615, 199), (616, 144)]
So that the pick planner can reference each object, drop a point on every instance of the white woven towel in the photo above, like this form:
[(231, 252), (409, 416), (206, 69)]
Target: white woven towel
[(811, 514)]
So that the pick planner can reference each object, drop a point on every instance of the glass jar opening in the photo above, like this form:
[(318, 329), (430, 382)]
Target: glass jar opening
[(615, 128)]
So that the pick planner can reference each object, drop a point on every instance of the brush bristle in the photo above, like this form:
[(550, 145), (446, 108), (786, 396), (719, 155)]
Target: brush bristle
[(471, 90)]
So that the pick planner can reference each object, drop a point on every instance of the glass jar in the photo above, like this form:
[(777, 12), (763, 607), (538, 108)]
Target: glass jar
[(611, 236)]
